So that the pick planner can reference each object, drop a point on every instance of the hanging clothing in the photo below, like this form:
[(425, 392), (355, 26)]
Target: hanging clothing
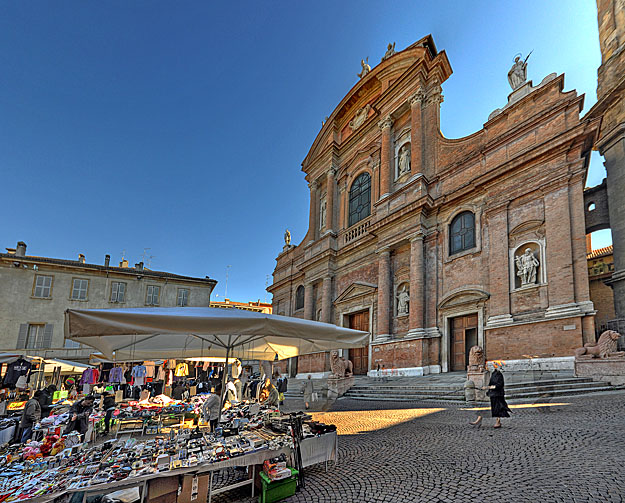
[(150, 368), (139, 372), (87, 377), (116, 375), (160, 375), (171, 364), (182, 370), (15, 370)]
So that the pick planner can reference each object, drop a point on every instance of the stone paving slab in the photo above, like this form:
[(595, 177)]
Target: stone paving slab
[(569, 450)]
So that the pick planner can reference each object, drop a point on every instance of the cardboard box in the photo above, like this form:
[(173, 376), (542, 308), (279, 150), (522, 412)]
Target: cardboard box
[(163, 490), (193, 489)]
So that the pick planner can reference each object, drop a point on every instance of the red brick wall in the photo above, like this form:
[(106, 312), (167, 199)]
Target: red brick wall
[(543, 340), (602, 297), (396, 355), (315, 362)]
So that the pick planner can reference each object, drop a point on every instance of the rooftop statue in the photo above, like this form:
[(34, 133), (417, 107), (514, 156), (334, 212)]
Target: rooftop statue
[(518, 73), (390, 51), (365, 67), (287, 237)]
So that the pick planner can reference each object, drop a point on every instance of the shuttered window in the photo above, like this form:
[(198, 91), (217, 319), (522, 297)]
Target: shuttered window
[(79, 289), (43, 287), (183, 297), (152, 293), (118, 291), (35, 336)]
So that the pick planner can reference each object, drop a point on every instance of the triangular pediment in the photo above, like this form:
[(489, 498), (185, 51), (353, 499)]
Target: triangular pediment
[(356, 290)]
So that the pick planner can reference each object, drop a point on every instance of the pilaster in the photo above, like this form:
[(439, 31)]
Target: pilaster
[(385, 156), (384, 294)]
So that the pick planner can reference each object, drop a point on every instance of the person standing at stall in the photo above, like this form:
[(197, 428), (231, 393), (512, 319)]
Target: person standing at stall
[(79, 414), (210, 411), (30, 416), (108, 406)]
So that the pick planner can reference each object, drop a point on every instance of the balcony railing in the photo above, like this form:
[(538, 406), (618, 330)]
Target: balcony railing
[(357, 231)]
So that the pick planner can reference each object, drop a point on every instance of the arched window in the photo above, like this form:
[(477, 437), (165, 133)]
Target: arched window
[(360, 199), (299, 297), (462, 232)]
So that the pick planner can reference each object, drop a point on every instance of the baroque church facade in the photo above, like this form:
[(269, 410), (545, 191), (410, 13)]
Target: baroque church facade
[(434, 245)]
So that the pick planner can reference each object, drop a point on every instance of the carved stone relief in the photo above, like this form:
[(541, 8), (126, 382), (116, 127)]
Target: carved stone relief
[(359, 118)]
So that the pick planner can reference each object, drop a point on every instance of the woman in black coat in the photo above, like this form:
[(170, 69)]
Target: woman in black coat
[(498, 406)]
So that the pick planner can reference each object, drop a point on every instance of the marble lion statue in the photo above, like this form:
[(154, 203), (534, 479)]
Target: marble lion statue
[(606, 346), (477, 360), (340, 366)]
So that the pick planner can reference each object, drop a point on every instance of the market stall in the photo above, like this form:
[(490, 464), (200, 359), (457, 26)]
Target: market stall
[(249, 434)]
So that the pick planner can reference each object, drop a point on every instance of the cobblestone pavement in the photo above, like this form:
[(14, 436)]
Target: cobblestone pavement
[(571, 450)]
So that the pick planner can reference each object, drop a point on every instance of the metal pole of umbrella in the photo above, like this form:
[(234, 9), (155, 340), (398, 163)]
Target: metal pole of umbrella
[(223, 377)]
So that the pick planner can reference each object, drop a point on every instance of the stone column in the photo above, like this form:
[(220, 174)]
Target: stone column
[(417, 287), (330, 199), (559, 256), (309, 302), (385, 156), (613, 151), (326, 300), (312, 218), (498, 269), (384, 294), (416, 149), (580, 263)]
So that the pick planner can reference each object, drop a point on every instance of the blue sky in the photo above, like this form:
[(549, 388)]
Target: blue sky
[(181, 126)]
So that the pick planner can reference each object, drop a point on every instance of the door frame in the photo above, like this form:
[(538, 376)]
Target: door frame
[(344, 318), (446, 341), (465, 341)]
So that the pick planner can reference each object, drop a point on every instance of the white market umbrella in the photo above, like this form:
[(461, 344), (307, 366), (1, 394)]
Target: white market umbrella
[(187, 332)]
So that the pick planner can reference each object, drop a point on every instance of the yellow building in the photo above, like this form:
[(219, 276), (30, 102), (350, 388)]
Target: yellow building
[(258, 306)]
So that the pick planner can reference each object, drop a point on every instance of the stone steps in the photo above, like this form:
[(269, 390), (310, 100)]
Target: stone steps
[(518, 390)]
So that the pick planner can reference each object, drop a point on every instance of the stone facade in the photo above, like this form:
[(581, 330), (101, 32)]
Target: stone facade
[(610, 108), (33, 306), (452, 231)]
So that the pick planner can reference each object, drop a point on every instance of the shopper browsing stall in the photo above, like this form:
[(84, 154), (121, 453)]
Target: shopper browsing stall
[(108, 405), (210, 410), (79, 415), (30, 416)]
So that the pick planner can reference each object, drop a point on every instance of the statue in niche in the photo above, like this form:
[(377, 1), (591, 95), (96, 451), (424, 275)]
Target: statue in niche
[(323, 208), (527, 265), (403, 161), (518, 73), (287, 237), (365, 67), (390, 51), (403, 301)]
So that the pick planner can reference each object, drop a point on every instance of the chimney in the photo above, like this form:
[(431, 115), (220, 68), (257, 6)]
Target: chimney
[(124, 263), (139, 266), (107, 260), (81, 258), (20, 251)]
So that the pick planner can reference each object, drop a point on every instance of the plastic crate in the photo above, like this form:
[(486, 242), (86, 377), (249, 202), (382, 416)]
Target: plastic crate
[(277, 490)]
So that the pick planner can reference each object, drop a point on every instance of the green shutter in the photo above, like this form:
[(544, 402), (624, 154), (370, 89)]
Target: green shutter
[(21, 338), (47, 336)]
